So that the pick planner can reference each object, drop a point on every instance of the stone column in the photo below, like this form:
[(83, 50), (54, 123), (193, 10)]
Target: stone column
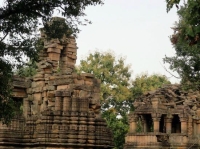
[(144, 124), (156, 124), (58, 104), (183, 121), (198, 121), (168, 124), (133, 124), (198, 127), (194, 127), (26, 107), (66, 104), (190, 128)]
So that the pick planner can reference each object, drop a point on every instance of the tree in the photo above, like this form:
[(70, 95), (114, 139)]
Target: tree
[(19, 23), (115, 79), (27, 71), (6, 104), (145, 82), (186, 42), (118, 90)]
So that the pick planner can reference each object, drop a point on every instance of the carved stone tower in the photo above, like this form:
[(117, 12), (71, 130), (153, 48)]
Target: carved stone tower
[(61, 108)]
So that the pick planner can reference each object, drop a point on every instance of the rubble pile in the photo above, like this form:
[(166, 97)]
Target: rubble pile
[(173, 97)]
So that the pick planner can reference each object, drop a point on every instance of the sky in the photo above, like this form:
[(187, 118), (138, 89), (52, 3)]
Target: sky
[(138, 30)]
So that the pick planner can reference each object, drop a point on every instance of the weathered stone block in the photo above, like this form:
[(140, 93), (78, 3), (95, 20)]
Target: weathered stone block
[(50, 94), (62, 87), (80, 82), (19, 92), (51, 88), (37, 90), (37, 96), (70, 45), (74, 57), (54, 50), (69, 49), (54, 56), (88, 83)]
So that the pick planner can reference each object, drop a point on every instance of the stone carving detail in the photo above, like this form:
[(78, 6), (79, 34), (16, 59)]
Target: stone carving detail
[(169, 118), (61, 109)]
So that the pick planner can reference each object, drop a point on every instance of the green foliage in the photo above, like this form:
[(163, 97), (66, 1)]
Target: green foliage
[(19, 23), (115, 78), (118, 90), (144, 83), (116, 100), (186, 42), (171, 3), (27, 71), (119, 127), (6, 103)]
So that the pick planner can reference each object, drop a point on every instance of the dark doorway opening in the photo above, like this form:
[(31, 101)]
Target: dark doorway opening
[(176, 124)]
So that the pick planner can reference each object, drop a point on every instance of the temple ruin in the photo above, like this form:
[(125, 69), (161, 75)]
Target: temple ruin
[(61, 109), (165, 118)]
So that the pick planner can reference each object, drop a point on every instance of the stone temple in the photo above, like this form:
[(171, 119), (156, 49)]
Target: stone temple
[(166, 118), (61, 109)]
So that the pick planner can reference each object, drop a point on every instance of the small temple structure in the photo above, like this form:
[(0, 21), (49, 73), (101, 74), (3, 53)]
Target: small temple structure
[(61, 109), (165, 118)]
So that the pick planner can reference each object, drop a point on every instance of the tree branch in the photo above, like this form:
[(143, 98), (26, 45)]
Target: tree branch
[(4, 37), (169, 71)]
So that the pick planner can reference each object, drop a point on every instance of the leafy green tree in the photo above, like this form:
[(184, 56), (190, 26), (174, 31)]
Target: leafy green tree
[(118, 90), (19, 23), (6, 103), (27, 71), (145, 82), (115, 79), (186, 42)]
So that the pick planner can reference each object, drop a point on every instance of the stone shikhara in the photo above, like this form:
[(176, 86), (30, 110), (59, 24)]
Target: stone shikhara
[(61, 109)]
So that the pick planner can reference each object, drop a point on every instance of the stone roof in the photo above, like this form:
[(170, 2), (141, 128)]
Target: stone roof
[(170, 96)]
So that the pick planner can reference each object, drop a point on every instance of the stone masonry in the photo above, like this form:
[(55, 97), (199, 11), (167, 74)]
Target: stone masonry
[(166, 118), (61, 109)]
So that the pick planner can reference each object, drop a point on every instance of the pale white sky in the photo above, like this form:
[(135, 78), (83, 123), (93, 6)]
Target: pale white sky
[(136, 29)]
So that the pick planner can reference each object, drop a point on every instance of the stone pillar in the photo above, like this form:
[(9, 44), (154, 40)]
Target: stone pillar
[(198, 121), (133, 124), (183, 121), (145, 128), (26, 107), (168, 124), (198, 127), (190, 128), (156, 124), (58, 104), (66, 104), (194, 127), (144, 124)]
